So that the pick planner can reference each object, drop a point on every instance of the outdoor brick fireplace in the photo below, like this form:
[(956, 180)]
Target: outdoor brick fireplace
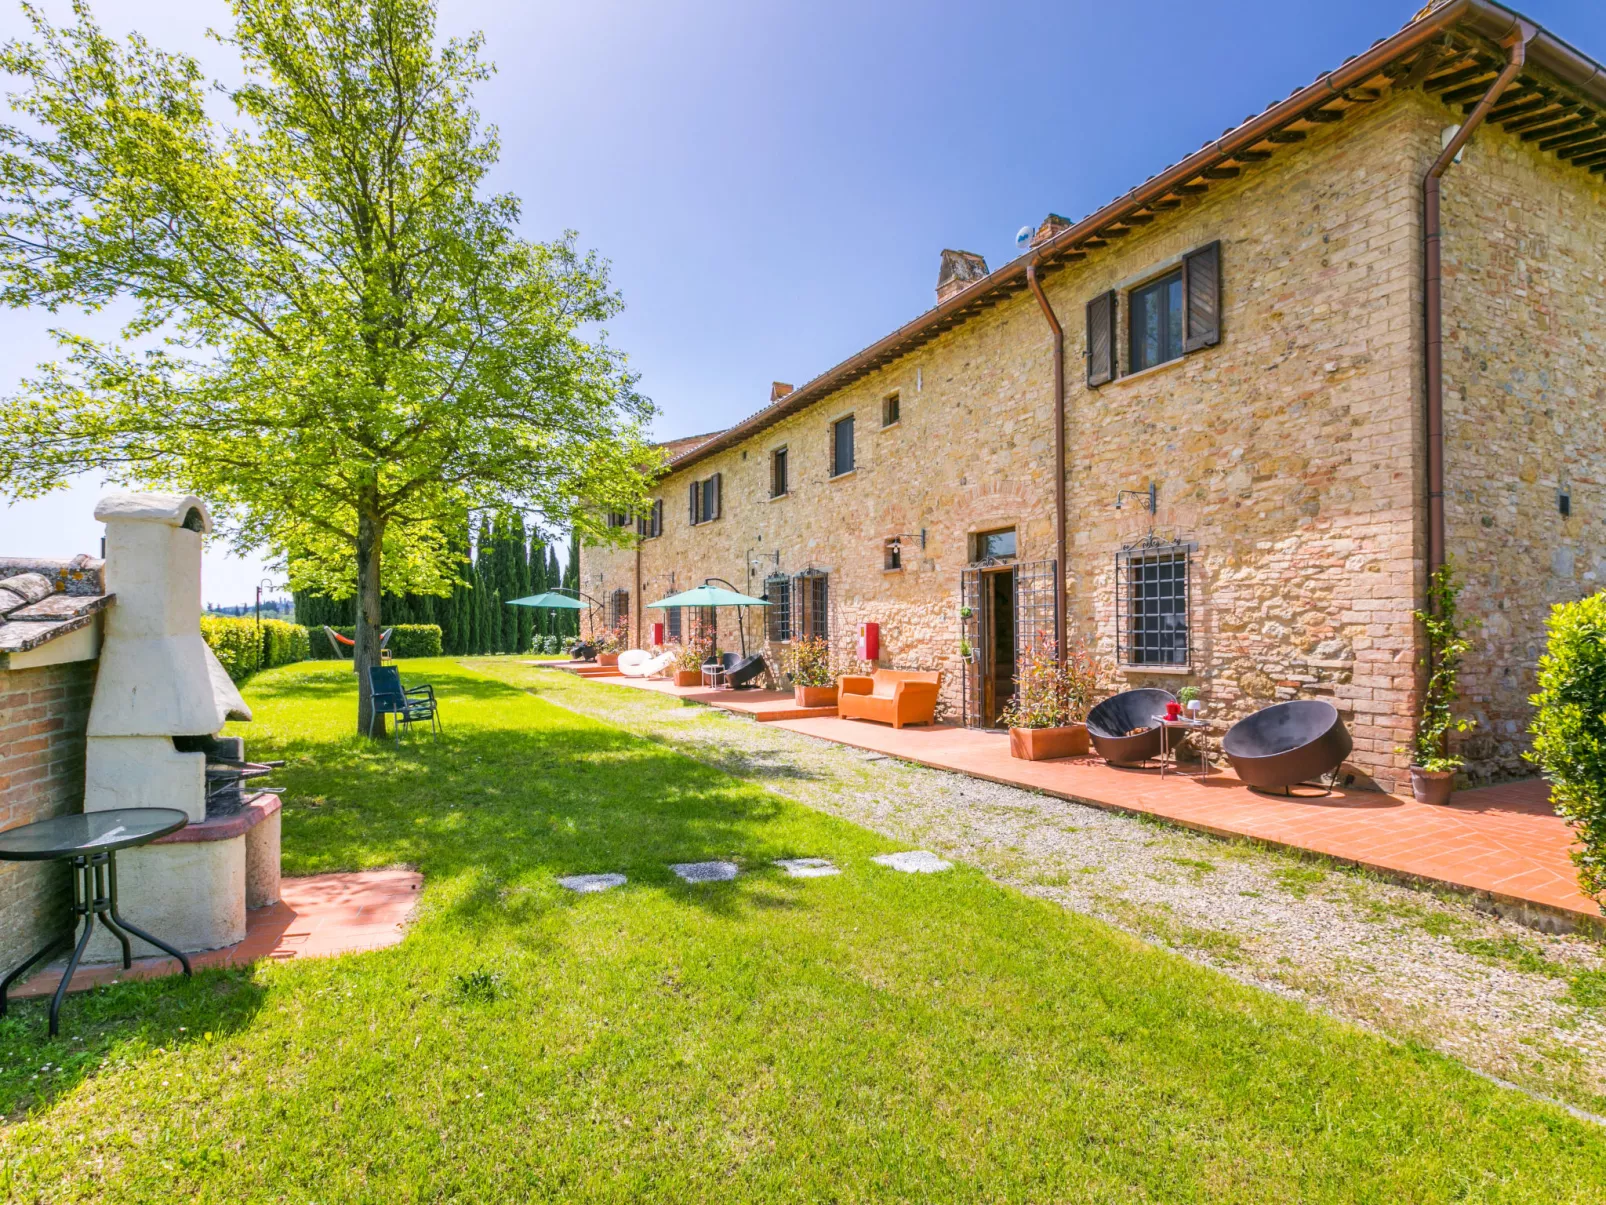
[(160, 698)]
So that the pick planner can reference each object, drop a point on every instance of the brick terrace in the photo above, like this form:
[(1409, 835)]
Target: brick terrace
[(316, 917), (1503, 844)]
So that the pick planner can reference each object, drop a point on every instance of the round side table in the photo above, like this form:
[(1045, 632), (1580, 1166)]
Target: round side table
[(90, 841), (1168, 743)]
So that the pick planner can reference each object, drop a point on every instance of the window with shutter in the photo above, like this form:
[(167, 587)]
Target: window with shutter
[(842, 446), (696, 498), (1101, 339), (778, 482), (1155, 321), (1201, 286), (711, 507)]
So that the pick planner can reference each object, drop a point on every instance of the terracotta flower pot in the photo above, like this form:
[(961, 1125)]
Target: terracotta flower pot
[(608, 659), (814, 696), (688, 677), (1432, 786), (1043, 744)]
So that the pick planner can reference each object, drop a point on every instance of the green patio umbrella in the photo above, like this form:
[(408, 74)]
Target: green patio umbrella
[(710, 595), (549, 599)]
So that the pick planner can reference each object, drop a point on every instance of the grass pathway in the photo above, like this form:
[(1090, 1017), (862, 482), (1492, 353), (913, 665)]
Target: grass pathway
[(866, 1036)]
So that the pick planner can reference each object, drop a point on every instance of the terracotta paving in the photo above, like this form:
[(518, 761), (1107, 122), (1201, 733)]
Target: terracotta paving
[(1504, 843), (764, 705), (316, 917)]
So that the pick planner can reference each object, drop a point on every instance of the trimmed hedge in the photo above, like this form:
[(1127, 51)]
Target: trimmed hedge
[(240, 649), (1569, 729), (408, 640)]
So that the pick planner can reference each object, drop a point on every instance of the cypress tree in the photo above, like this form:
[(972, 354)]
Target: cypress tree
[(541, 622), (484, 641), (571, 578), (558, 621)]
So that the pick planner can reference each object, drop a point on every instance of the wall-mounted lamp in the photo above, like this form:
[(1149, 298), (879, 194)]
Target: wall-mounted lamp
[(1149, 498), (898, 540)]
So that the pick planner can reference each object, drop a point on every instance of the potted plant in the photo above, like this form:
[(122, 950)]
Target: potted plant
[(1188, 697), (1047, 718), (1433, 766), (689, 656), (610, 643), (808, 662)]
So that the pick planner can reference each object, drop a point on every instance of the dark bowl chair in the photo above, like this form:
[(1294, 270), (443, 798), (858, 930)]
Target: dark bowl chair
[(1288, 743), (744, 672), (581, 651), (1109, 723)]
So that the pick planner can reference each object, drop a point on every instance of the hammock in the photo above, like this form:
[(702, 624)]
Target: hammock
[(336, 640)]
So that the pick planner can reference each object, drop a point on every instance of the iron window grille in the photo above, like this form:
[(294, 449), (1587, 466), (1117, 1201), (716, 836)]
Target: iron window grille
[(618, 608), (778, 616), (672, 623), (1153, 603), (811, 598)]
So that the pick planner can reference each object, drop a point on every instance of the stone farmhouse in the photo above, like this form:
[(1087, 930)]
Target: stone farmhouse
[(1222, 428)]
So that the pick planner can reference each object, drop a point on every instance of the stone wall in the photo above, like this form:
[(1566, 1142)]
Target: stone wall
[(1288, 455), (43, 715), (1524, 252)]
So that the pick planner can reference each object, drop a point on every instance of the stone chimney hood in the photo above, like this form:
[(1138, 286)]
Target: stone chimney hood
[(959, 270), (157, 676)]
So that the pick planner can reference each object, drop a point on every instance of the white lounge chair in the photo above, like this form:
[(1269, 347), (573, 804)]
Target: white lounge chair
[(639, 663)]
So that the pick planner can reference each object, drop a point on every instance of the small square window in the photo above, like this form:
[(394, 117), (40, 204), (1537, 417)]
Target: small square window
[(994, 545), (889, 410), (892, 554)]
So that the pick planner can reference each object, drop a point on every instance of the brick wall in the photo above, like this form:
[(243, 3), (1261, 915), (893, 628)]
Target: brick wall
[(1525, 415), (1290, 455), (43, 713)]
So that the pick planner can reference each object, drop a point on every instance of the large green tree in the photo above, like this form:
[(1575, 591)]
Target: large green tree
[(336, 337)]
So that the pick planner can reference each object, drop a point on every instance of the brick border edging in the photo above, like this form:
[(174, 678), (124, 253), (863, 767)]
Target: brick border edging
[(224, 828)]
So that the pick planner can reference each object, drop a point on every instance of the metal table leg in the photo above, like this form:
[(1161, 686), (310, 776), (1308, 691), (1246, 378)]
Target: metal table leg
[(111, 907)]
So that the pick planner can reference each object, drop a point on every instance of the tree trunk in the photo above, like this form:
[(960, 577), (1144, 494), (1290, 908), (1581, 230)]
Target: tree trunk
[(365, 655)]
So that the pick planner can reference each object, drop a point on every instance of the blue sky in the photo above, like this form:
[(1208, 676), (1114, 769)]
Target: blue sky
[(773, 182)]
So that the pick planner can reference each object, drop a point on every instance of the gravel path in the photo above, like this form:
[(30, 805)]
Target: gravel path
[(1506, 1000)]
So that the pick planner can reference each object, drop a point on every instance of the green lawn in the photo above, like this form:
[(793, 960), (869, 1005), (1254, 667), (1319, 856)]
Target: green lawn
[(868, 1037)]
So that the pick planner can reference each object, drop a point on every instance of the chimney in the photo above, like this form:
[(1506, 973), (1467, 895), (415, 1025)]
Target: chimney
[(1051, 226), (778, 390), (959, 270)]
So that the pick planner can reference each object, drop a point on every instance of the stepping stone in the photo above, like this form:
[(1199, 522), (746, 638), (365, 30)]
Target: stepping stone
[(586, 884), (705, 872), (914, 861), (807, 868)]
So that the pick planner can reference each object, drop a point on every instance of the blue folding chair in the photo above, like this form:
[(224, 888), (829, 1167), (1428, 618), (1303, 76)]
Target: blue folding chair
[(408, 706)]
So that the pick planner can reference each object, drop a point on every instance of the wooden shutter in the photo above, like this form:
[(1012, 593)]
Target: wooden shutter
[(658, 517), (696, 489), (1201, 297), (714, 507), (1101, 339)]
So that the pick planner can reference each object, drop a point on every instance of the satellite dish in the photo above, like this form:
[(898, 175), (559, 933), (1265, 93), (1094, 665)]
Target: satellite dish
[(1023, 237)]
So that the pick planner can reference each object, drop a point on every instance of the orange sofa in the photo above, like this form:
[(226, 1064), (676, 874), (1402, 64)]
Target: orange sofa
[(892, 696)]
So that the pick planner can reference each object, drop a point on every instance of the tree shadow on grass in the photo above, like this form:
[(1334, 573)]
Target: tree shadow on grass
[(514, 795), (115, 1025)]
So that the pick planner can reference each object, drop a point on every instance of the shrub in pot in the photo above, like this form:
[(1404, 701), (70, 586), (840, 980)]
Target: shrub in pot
[(610, 642), (1569, 729), (808, 663), (1047, 718), (689, 657), (1433, 766)]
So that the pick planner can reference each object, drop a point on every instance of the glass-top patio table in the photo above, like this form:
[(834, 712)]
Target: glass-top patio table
[(90, 841)]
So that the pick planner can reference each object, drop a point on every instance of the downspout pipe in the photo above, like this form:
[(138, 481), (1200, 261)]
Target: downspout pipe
[(1059, 457), (1516, 46)]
